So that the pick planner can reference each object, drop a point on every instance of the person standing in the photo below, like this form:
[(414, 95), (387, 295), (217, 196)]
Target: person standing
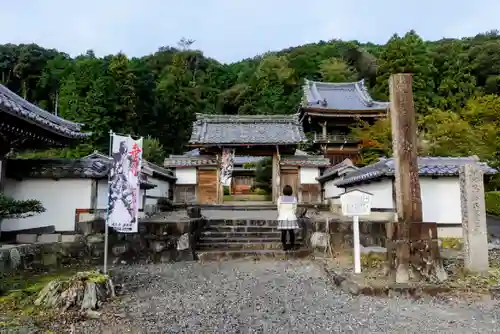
[(287, 218)]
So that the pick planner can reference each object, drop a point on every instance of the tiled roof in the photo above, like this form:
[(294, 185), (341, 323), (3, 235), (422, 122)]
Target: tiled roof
[(57, 168), (186, 161), (166, 173), (19, 107), (246, 129), (304, 161), (427, 166), (340, 96), (337, 170), (238, 160), (89, 168), (146, 165)]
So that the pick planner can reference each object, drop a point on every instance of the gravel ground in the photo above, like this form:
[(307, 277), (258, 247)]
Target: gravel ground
[(271, 297)]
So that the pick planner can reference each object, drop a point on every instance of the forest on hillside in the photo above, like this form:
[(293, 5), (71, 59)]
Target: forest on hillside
[(456, 87)]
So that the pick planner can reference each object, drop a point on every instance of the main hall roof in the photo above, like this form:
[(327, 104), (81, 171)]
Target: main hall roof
[(239, 130), (349, 96)]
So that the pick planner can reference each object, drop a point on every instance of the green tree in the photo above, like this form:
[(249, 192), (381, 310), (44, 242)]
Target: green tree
[(336, 70), (407, 54), (153, 151)]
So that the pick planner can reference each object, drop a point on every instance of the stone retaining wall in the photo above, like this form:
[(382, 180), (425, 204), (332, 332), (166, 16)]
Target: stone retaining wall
[(155, 242), (371, 233)]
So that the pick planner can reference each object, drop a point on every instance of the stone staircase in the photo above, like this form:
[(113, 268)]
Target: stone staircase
[(236, 238)]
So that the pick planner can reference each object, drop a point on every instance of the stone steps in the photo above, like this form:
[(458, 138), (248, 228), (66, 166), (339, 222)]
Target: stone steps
[(248, 239), (243, 222), (218, 255), (242, 235), (241, 229)]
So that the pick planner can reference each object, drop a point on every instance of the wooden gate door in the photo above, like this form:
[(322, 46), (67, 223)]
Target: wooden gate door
[(290, 177), (207, 186)]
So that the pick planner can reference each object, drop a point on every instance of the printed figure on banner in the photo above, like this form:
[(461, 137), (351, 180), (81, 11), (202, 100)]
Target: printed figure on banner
[(226, 170), (124, 188)]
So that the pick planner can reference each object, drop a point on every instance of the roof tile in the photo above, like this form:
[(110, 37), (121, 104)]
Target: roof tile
[(246, 129), (19, 107), (340, 96), (427, 166)]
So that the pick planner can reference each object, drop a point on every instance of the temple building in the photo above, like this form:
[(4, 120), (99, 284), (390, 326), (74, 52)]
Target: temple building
[(198, 176), (328, 112), (24, 126)]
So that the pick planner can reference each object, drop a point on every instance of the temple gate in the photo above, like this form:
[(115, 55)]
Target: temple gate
[(265, 135)]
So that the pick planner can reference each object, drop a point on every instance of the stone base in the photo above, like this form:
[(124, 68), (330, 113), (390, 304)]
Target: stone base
[(355, 285)]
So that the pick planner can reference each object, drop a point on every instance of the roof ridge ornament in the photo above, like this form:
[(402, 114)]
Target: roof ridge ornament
[(363, 93)]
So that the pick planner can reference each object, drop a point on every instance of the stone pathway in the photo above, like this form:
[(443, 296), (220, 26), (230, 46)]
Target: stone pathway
[(271, 297)]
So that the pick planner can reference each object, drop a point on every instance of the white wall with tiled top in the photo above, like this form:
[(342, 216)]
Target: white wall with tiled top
[(59, 198), (308, 175), (186, 175), (331, 190), (440, 200)]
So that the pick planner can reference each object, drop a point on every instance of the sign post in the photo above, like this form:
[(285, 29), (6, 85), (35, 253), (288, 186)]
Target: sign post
[(356, 203)]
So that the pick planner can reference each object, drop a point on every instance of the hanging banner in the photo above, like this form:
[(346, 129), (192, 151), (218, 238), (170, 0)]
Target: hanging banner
[(226, 168), (123, 197)]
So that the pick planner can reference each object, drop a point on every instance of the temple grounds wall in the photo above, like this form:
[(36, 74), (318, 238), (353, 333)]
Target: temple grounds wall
[(157, 241)]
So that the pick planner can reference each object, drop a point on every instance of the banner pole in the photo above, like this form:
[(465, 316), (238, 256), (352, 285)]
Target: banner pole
[(110, 153)]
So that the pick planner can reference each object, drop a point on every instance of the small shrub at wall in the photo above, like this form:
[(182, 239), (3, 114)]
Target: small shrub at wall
[(259, 191), (493, 202), (227, 190)]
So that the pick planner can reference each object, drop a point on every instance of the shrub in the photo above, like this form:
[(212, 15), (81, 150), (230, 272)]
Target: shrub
[(493, 202), (259, 191), (227, 190), (12, 208)]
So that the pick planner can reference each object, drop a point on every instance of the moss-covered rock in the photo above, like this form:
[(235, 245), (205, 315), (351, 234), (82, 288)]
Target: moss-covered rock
[(452, 243), (373, 260)]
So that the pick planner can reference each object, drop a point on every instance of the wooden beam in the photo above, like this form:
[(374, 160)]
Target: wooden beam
[(413, 243)]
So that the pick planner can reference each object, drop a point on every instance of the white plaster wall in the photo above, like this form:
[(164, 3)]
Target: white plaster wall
[(161, 189), (186, 175), (102, 194), (440, 198), (60, 199), (382, 193), (308, 175), (331, 190)]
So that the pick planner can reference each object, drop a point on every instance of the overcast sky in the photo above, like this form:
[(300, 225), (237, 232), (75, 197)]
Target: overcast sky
[(229, 30)]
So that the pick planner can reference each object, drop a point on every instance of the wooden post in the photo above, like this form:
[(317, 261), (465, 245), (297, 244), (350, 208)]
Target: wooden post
[(413, 249)]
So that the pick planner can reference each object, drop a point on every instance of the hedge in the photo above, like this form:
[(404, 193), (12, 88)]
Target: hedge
[(493, 202)]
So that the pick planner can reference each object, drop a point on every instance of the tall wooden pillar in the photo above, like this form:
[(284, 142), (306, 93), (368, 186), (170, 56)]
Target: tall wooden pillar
[(412, 245)]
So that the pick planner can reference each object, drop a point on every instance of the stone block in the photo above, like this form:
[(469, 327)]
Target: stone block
[(118, 250), (184, 242), (26, 238), (50, 259), (158, 246), (49, 238), (473, 218), (71, 238), (95, 238)]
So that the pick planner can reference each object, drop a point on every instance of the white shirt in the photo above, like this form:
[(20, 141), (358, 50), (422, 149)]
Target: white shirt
[(287, 219)]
